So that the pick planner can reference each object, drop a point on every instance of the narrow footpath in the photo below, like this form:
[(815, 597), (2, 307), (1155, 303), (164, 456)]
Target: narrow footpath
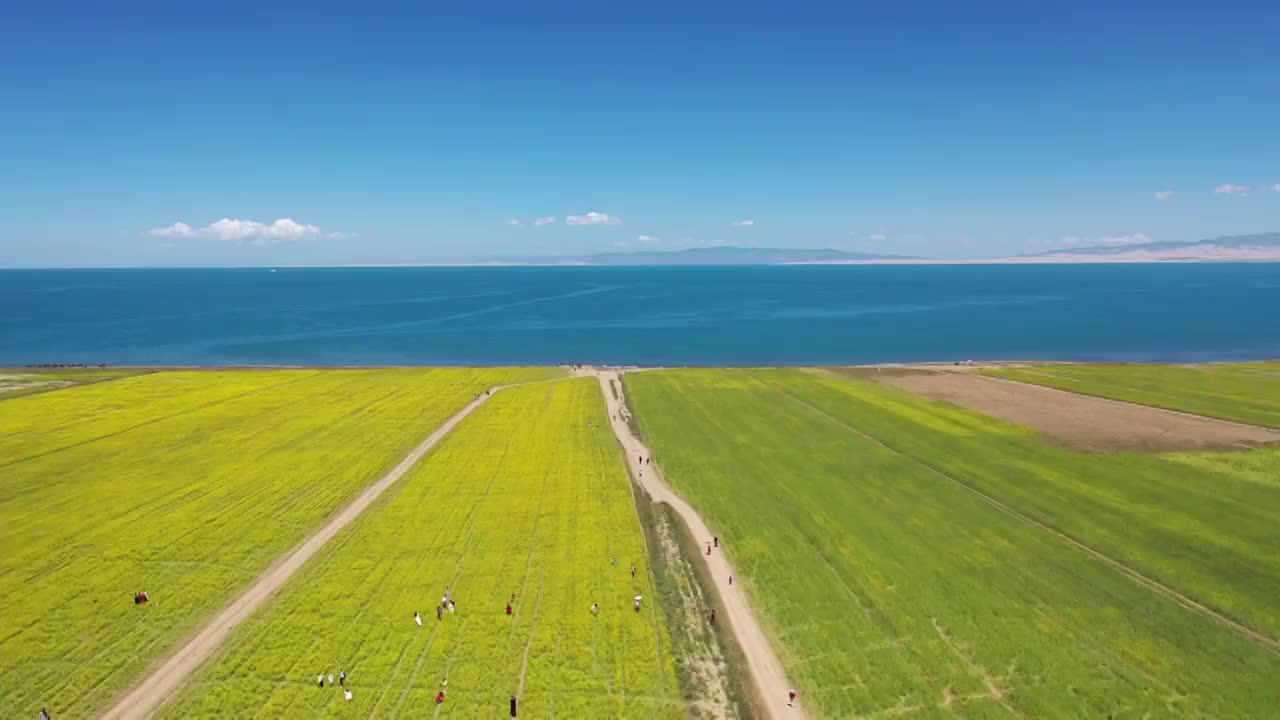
[(160, 684), (766, 670)]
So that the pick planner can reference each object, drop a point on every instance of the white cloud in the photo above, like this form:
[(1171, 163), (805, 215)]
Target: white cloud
[(1275, 188), (1227, 189), (178, 229), (593, 218), (249, 232), (878, 237), (544, 221), (283, 229), (1164, 194), (743, 223), (639, 241), (515, 223)]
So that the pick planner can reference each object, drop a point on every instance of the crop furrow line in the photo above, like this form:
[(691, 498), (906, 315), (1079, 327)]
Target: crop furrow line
[(153, 421)]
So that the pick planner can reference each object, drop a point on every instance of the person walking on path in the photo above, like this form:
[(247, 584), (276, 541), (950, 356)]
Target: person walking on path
[(513, 706), (342, 677), (708, 548), (716, 540), (713, 616), (440, 698), (633, 571), (320, 680), (508, 608), (791, 698), (730, 579), (439, 612)]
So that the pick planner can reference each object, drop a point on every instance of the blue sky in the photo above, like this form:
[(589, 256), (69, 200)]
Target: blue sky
[(418, 131)]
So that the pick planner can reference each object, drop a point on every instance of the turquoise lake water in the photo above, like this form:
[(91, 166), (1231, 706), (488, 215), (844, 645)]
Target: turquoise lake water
[(647, 316)]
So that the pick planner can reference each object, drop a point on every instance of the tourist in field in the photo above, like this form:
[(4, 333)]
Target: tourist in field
[(508, 608), (320, 680), (342, 677), (638, 598), (347, 694), (417, 618), (330, 679), (513, 706), (713, 616), (633, 571), (595, 609), (440, 698), (439, 612), (791, 698), (44, 714), (452, 606)]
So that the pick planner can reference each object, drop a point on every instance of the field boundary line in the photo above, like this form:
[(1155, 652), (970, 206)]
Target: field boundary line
[(762, 661), (163, 681), (1159, 588)]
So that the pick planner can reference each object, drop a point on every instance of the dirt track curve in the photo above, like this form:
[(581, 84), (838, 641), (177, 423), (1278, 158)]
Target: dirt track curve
[(161, 683), (766, 670)]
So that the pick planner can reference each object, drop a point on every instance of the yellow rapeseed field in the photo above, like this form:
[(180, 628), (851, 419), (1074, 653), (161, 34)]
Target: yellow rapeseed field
[(527, 497), (187, 485)]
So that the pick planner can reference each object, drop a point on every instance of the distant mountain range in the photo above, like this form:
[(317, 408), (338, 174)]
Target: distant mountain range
[(728, 255), (1235, 248)]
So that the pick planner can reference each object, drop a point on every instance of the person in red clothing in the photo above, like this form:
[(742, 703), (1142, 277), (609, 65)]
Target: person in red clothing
[(508, 608), (440, 697), (791, 698)]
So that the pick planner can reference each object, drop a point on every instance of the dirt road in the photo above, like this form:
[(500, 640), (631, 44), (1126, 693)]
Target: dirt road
[(161, 683), (766, 670)]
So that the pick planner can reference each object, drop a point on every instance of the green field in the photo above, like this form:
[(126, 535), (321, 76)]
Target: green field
[(186, 484), (15, 382), (1244, 392), (893, 590), (524, 497)]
